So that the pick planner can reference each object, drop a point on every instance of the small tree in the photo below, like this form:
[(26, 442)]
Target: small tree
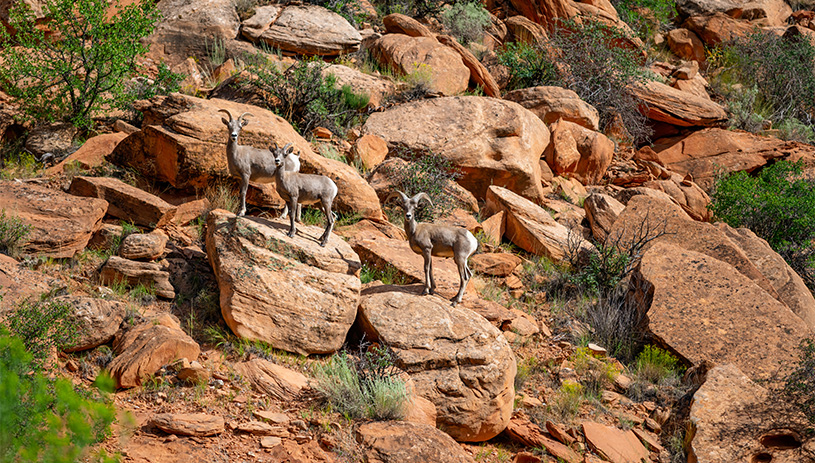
[(78, 64)]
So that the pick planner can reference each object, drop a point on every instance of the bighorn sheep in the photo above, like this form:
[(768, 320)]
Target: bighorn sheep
[(250, 163), (296, 188), (430, 239)]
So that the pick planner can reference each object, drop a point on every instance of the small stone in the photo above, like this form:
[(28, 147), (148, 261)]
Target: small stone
[(270, 441), (257, 428), (597, 351), (322, 133), (530, 402), (653, 425), (273, 417), (72, 366), (622, 382)]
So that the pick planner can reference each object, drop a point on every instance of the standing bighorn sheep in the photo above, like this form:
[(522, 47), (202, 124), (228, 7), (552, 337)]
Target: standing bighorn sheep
[(296, 188), (430, 239), (250, 163)]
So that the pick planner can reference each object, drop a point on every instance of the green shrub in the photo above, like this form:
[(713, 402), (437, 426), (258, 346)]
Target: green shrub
[(588, 62), (429, 173), (301, 95), (43, 420), (365, 387), (782, 70), (466, 21), (83, 71), (655, 365), (778, 204), (13, 233), (646, 17), (42, 325), (799, 384), (143, 88), (528, 66)]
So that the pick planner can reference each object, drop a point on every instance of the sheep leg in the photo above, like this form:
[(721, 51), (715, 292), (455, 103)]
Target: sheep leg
[(292, 209), (285, 211), (299, 211), (329, 221), (428, 273), (244, 187), (464, 275)]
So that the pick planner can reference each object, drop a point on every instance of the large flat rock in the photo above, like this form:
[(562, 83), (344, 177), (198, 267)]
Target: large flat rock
[(734, 419), (455, 357), (498, 143), (303, 30), (403, 442), (285, 291), (62, 224), (703, 309), (709, 152), (126, 201)]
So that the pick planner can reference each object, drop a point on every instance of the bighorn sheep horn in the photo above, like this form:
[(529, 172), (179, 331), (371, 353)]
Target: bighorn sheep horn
[(227, 112)]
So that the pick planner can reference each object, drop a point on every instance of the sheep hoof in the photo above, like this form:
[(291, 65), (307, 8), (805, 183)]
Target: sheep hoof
[(426, 291), (290, 234)]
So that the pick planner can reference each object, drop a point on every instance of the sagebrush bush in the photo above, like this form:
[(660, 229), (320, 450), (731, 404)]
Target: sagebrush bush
[(585, 59), (43, 325), (466, 21), (72, 78), (792, 129), (781, 69), (366, 386), (13, 233), (301, 95), (45, 420)]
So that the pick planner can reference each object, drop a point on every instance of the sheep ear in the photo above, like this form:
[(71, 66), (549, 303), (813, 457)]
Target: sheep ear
[(288, 148), (226, 122), (421, 196)]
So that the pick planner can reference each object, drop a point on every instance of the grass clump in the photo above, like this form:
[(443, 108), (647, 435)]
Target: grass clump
[(363, 387), (13, 234), (657, 366), (388, 275), (43, 420), (585, 59), (466, 21), (595, 374)]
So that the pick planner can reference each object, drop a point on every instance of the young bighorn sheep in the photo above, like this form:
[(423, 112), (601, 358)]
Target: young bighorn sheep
[(430, 239), (296, 188), (250, 163)]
